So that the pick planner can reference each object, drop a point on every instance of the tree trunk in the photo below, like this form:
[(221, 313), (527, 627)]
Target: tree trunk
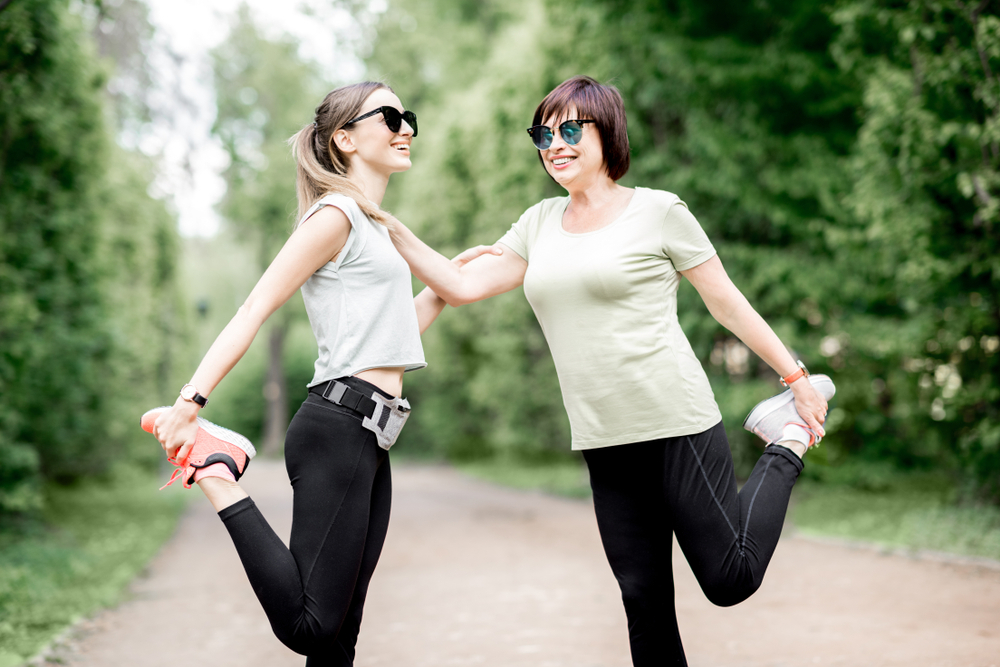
[(275, 390)]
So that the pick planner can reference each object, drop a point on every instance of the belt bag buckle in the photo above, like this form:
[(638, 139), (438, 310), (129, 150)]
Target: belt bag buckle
[(388, 419)]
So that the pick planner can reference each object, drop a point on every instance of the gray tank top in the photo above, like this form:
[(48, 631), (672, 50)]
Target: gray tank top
[(361, 305)]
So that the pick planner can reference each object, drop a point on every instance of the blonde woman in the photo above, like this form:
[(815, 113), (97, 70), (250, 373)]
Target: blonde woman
[(358, 296)]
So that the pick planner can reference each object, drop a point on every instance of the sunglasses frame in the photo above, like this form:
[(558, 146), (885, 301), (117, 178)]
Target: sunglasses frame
[(579, 121), (408, 116)]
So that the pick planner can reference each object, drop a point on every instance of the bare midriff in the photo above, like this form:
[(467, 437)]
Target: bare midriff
[(389, 380)]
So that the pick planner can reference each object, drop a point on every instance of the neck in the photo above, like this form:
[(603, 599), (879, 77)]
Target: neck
[(372, 183), (597, 192)]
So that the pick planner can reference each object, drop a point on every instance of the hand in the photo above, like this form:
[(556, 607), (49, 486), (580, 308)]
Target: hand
[(467, 256), (810, 405), (176, 429)]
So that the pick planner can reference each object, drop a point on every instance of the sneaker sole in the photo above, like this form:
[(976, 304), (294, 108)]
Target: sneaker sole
[(216, 431), (821, 383)]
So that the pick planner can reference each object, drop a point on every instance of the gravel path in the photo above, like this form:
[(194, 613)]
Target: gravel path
[(473, 574)]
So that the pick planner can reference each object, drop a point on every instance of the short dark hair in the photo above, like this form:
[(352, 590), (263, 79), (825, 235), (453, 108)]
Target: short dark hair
[(599, 102)]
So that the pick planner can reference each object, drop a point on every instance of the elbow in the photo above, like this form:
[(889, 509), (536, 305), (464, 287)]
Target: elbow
[(460, 297), (455, 300), (252, 312)]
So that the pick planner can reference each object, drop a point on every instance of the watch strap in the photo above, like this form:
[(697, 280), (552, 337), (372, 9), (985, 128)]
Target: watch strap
[(196, 397), (800, 372)]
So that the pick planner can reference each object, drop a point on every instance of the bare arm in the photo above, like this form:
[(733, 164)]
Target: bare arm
[(428, 304), (312, 245), (488, 276), (732, 310)]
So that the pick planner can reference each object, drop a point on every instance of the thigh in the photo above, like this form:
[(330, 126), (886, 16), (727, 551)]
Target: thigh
[(700, 488)]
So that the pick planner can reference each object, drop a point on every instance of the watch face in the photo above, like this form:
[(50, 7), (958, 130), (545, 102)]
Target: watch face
[(188, 391)]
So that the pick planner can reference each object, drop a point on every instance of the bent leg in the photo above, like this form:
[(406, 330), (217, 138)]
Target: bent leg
[(727, 536), (636, 533)]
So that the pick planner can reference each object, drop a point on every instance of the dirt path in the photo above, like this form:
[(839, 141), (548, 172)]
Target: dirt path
[(473, 574)]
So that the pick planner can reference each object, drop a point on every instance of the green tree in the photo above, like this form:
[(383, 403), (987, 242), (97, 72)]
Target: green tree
[(83, 253), (923, 212)]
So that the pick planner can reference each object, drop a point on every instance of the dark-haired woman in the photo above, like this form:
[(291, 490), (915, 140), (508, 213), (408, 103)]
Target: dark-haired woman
[(367, 324), (600, 268)]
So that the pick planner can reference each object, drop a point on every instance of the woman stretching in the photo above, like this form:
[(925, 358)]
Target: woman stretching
[(359, 299), (601, 268)]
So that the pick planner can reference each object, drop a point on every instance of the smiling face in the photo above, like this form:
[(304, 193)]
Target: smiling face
[(372, 143), (575, 165)]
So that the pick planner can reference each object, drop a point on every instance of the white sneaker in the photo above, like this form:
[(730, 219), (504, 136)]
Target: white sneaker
[(769, 417)]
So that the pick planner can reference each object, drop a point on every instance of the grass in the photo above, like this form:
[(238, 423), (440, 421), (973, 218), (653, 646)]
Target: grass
[(93, 539), (568, 479), (911, 511), (867, 503)]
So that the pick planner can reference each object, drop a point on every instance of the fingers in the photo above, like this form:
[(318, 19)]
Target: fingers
[(183, 453), (477, 251)]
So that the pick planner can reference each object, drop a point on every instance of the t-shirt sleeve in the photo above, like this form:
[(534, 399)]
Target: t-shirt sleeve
[(682, 239), (518, 237)]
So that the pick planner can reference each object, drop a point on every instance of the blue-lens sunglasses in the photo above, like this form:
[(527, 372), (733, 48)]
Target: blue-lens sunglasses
[(571, 132)]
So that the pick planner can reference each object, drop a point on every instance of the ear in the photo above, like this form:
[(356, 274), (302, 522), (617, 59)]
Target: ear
[(343, 140)]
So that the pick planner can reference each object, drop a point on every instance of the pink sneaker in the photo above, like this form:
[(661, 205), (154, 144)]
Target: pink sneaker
[(212, 444), (769, 417)]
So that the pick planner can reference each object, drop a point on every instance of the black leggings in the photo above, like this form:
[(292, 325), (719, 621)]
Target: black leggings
[(314, 590), (647, 491)]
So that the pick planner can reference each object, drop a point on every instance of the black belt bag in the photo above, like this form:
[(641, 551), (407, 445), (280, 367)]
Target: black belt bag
[(383, 416)]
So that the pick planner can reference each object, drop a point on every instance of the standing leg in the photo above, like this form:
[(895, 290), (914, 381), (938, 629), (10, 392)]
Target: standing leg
[(727, 537), (308, 589), (378, 526), (635, 528)]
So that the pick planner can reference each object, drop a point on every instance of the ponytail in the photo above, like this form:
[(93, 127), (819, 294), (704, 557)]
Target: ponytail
[(320, 166)]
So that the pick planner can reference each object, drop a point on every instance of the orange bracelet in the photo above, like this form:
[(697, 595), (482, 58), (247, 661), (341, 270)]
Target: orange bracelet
[(799, 373)]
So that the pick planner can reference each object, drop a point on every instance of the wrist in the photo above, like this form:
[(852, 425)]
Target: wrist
[(796, 375), (186, 407), (191, 394)]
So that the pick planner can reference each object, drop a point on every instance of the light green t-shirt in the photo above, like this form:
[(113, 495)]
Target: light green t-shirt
[(607, 303)]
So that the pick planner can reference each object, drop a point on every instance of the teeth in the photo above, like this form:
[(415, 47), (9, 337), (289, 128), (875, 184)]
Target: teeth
[(562, 160)]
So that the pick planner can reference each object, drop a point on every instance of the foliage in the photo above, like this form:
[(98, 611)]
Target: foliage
[(922, 211), (97, 535), (86, 264)]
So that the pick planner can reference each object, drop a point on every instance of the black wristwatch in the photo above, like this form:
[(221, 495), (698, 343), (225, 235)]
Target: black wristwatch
[(190, 393)]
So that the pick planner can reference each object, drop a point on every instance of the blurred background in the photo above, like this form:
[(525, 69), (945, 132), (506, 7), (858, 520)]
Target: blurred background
[(843, 157)]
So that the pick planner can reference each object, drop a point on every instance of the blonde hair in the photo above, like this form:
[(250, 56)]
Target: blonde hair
[(321, 166)]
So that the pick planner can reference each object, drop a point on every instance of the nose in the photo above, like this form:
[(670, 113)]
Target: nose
[(405, 129), (557, 141)]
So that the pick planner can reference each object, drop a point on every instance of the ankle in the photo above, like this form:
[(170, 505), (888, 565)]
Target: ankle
[(221, 492), (793, 445)]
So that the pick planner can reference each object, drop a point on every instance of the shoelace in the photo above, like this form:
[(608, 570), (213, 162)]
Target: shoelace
[(177, 474)]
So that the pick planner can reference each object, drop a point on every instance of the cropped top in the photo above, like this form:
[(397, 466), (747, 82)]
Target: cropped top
[(360, 305)]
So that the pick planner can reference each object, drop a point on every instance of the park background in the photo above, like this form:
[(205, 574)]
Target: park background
[(843, 156)]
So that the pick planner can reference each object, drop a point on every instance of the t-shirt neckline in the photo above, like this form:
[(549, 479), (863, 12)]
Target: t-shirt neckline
[(613, 223)]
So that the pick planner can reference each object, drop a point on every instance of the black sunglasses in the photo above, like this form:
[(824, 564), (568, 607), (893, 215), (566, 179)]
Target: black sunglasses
[(393, 119), (571, 132)]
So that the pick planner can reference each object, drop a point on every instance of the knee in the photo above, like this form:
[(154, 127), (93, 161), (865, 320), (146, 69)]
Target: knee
[(644, 594), (305, 638), (728, 591)]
